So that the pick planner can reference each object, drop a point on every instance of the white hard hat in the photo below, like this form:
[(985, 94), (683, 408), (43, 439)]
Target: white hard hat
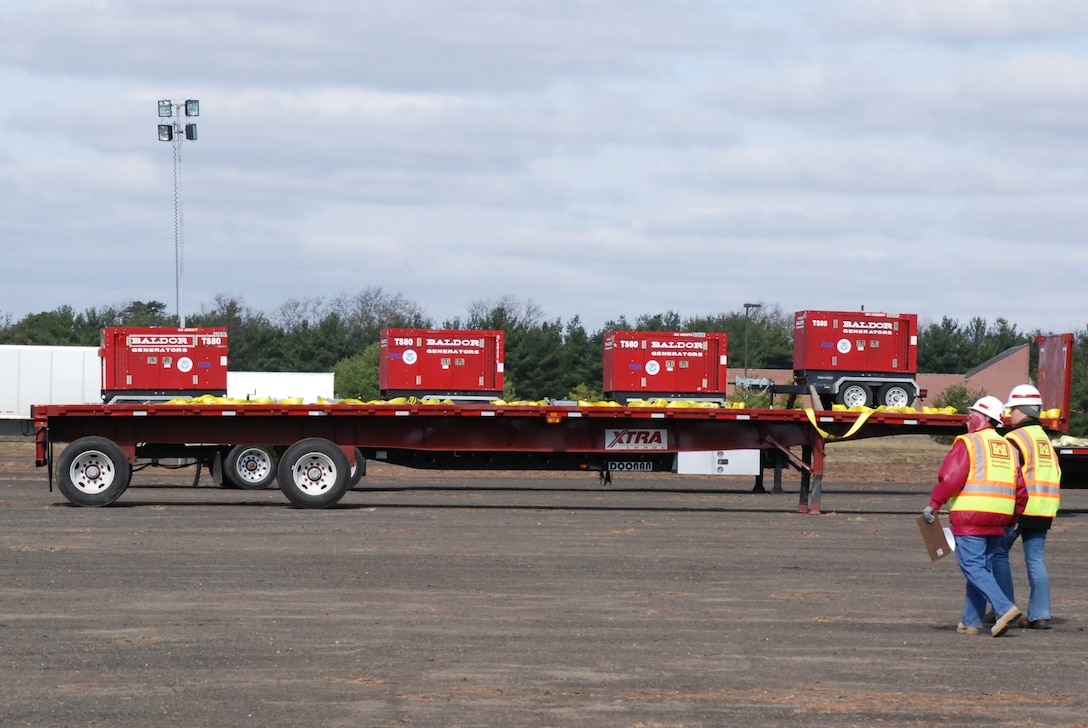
[(992, 407), (1024, 395)]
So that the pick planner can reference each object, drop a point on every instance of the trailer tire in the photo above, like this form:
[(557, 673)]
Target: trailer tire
[(896, 395), (93, 471), (856, 394), (357, 471), (313, 473), (250, 467)]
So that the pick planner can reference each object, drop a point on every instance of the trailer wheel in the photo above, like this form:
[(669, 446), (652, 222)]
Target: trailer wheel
[(93, 471), (313, 473), (357, 471), (250, 467), (856, 394), (896, 395)]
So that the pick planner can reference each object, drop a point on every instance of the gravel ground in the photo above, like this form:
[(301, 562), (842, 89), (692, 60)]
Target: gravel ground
[(441, 599)]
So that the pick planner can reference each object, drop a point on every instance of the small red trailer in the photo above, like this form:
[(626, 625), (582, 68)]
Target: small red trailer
[(857, 358)]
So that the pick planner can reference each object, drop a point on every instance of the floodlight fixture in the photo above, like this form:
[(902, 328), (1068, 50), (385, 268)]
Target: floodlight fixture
[(166, 132), (166, 108), (192, 107), (190, 132)]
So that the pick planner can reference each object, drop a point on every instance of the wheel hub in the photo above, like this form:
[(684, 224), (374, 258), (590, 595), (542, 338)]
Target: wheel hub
[(92, 473)]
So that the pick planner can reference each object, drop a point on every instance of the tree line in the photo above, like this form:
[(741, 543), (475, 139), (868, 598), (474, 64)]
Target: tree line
[(545, 357)]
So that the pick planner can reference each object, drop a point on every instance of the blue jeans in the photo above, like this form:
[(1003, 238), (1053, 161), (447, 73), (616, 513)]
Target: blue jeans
[(975, 556), (1034, 546)]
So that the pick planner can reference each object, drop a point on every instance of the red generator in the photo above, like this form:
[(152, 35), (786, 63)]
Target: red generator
[(665, 365), (149, 364), (857, 358), (447, 363)]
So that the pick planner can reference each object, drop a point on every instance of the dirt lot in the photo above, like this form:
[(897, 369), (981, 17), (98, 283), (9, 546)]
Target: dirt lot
[(445, 599)]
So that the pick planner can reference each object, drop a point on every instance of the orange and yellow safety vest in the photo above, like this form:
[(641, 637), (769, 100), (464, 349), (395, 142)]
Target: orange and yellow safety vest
[(1042, 474), (991, 482)]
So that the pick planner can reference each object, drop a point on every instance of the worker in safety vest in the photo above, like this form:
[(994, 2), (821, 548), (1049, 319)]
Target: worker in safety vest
[(982, 485), (1039, 465)]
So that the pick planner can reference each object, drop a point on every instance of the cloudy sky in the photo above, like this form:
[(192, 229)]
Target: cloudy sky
[(597, 157)]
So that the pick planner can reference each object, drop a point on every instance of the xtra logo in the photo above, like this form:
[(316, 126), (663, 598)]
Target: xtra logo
[(630, 439)]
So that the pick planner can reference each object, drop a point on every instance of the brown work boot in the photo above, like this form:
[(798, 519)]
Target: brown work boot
[(989, 618), (1003, 622), (1035, 623)]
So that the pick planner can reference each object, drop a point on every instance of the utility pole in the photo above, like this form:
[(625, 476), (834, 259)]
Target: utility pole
[(176, 133), (747, 308)]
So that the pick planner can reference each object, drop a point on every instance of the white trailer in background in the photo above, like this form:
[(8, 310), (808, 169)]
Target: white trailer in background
[(31, 375), (309, 386), (43, 375)]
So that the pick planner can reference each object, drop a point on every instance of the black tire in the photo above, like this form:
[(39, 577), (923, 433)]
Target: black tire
[(357, 471), (93, 471), (855, 394), (895, 395), (249, 467), (313, 473)]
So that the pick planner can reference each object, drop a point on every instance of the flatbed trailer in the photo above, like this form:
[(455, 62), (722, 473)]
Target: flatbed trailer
[(324, 445), (323, 442), (1074, 464)]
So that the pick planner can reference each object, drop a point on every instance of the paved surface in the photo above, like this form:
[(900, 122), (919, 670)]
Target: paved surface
[(430, 600)]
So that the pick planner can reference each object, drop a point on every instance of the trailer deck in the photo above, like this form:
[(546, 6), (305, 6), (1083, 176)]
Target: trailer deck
[(467, 436)]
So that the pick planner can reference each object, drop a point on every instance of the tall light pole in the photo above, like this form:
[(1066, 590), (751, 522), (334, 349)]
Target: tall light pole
[(747, 308), (176, 133)]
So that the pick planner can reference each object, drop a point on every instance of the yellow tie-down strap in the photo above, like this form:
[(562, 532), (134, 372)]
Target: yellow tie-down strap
[(864, 415)]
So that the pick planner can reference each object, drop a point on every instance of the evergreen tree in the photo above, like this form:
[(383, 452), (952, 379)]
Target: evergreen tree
[(357, 376), (59, 327), (941, 347), (534, 359), (667, 321), (581, 361)]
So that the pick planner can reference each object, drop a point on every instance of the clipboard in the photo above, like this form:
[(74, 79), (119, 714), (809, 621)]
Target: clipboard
[(936, 538)]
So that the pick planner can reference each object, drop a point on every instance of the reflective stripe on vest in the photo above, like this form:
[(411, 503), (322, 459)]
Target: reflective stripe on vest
[(1042, 475), (991, 481)]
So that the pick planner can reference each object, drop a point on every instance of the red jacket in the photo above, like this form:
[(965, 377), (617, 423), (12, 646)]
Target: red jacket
[(950, 481)]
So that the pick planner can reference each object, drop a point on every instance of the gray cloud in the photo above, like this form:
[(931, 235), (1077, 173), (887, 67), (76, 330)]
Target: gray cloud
[(601, 158)]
